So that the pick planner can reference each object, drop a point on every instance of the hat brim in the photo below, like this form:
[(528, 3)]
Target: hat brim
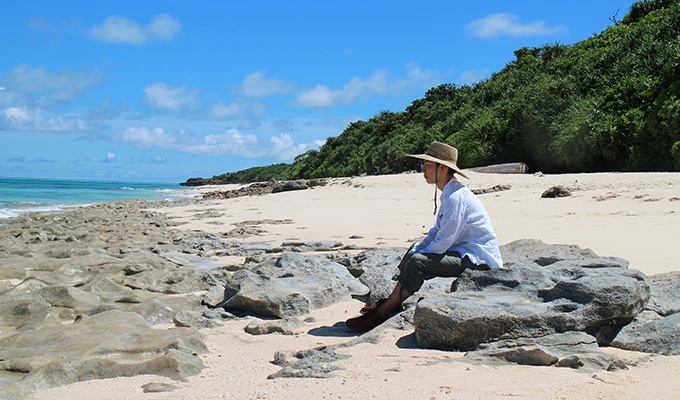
[(437, 160)]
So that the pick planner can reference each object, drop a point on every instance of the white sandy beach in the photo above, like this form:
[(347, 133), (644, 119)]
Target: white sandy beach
[(631, 216)]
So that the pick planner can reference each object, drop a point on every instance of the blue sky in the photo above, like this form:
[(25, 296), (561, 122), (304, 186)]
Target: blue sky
[(162, 91)]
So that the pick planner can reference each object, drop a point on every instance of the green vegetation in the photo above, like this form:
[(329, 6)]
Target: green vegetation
[(608, 103)]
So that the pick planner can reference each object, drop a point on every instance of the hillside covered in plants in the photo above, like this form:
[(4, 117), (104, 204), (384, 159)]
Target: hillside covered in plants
[(608, 103)]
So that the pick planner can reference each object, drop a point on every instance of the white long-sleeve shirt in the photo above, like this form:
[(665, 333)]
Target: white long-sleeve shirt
[(463, 226)]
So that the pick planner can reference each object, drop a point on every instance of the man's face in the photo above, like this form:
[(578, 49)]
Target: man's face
[(429, 170)]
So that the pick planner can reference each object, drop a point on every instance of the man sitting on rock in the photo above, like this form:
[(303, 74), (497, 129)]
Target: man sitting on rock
[(462, 237)]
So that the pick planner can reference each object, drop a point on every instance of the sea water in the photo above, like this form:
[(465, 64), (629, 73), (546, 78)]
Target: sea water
[(20, 195)]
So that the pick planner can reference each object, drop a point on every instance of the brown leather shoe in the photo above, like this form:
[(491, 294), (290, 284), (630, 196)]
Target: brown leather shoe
[(366, 322)]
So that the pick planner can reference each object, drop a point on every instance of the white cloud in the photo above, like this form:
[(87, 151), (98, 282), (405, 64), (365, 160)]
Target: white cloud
[(323, 96), (61, 85), (117, 29), (233, 109), (257, 84), (25, 119), (320, 96), (108, 158), (283, 148), (163, 96), (379, 83), (229, 143), (506, 24), (146, 137)]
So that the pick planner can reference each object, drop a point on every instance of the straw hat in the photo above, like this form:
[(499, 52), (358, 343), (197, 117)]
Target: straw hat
[(441, 153)]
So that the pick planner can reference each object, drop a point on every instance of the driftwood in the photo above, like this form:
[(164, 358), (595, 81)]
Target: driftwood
[(509, 168)]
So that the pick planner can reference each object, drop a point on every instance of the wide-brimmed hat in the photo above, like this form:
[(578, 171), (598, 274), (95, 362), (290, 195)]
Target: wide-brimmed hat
[(441, 153)]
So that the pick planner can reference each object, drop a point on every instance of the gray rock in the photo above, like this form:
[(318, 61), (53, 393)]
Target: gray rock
[(311, 246), (214, 296), (300, 184), (196, 319), (556, 191), (286, 326), (96, 347), (617, 365), (665, 293), (576, 350), (295, 285), (174, 364), (106, 334), (543, 291), (163, 309), (314, 363), (11, 392), (168, 281), (659, 335), (158, 387), (524, 356), (26, 312), (69, 297)]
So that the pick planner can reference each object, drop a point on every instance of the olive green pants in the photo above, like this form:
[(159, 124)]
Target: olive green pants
[(422, 266)]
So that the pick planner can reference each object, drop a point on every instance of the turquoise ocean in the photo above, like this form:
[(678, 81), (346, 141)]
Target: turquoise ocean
[(20, 195)]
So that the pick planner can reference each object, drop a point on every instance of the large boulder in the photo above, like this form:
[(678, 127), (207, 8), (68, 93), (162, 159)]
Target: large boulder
[(544, 290), (291, 285)]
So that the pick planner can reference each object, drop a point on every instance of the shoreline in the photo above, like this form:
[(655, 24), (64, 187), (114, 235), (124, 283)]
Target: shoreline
[(20, 195)]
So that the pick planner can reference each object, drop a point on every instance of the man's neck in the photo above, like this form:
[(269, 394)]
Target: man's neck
[(442, 182)]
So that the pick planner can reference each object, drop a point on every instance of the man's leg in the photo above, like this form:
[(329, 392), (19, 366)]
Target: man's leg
[(423, 266), (414, 270), (376, 315), (398, 295)]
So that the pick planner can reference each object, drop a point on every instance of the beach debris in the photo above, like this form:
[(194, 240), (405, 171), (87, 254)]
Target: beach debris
[(556, 191), (493, 189), (507, 168)]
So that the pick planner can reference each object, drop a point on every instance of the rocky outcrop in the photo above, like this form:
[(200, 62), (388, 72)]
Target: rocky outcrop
[(101, 346), (82, 293), (262, 188), (552, 305), (562, 300)]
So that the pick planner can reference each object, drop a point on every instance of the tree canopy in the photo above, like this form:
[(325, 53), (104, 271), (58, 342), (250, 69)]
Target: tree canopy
[(608, 103)]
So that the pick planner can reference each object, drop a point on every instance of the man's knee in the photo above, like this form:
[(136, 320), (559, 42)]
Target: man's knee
[(411, 276)]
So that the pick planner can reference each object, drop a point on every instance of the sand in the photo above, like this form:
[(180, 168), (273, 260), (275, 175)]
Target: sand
[(631, 216)]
